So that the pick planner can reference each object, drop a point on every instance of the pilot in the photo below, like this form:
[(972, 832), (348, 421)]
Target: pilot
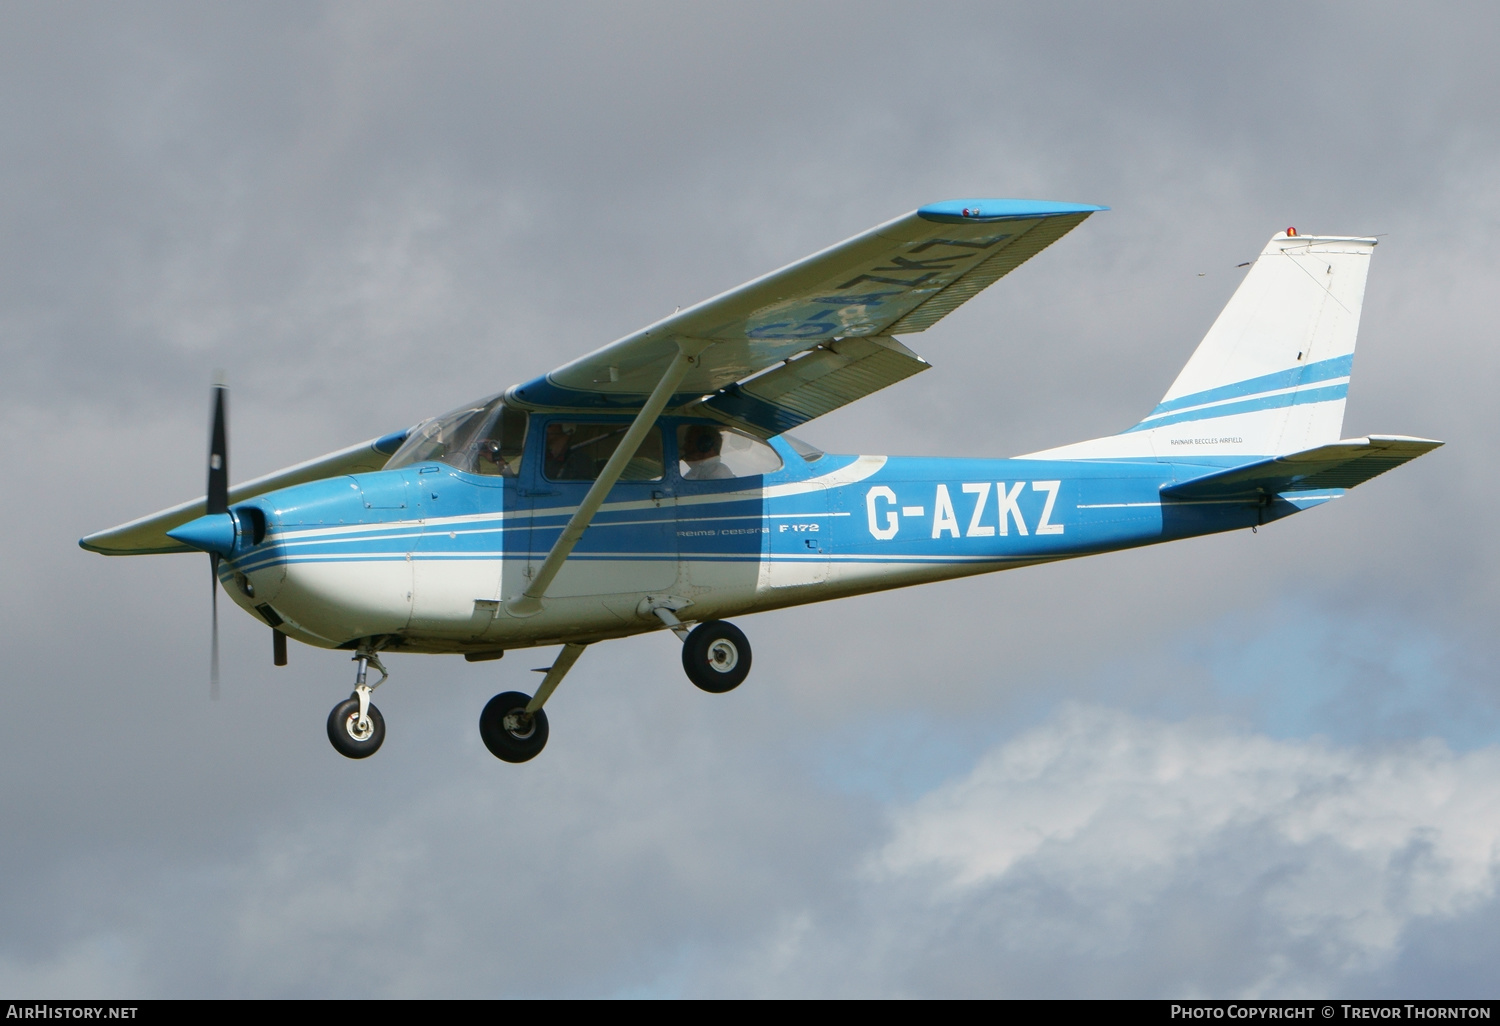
[(492, 459), (701, 448)]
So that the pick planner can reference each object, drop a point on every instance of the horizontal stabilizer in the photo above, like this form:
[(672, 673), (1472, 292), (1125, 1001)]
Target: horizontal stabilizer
[(148, 535), (1339, 465), (826, 378)]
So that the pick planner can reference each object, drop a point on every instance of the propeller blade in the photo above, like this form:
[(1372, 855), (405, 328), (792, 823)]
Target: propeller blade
[(218, 457), (217, 502), (213, 666)]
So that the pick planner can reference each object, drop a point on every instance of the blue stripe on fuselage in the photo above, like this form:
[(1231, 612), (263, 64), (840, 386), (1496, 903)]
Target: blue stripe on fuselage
[(909, 510)]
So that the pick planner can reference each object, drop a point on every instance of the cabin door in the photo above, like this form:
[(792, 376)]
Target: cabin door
[(630, 546)]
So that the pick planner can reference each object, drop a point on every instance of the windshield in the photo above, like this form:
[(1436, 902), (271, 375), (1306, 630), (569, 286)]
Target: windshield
[(484, 437)]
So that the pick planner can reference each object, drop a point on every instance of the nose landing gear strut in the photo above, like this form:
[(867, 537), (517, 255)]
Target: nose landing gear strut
[(355, 726)]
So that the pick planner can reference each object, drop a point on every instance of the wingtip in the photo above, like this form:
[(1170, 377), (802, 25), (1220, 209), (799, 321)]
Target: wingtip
[(1431, 443), (387, 445), (982, 210), (88, 545)]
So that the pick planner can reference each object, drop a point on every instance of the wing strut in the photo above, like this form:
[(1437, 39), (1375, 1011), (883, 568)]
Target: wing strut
[(529, 602)]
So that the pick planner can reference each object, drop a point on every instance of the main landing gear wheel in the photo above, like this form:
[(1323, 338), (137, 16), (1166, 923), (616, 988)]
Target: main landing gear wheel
[(716, 656), (509, 732), (349, 736)]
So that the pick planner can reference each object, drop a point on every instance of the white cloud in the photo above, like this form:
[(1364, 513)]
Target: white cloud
[(1086, 831)]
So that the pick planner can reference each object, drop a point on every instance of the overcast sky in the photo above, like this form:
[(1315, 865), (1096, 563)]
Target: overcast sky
[(1242, 765)]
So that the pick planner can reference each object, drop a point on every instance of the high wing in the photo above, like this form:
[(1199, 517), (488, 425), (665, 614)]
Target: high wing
[(769, 355), (823, 323), (148, 535), (1340, 465)]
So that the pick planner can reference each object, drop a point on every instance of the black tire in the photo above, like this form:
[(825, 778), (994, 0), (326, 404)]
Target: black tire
[(512, 744), (716, 656), (344, 734)]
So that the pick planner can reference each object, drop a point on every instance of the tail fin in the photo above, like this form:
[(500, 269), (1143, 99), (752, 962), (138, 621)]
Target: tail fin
[(1272, 374)]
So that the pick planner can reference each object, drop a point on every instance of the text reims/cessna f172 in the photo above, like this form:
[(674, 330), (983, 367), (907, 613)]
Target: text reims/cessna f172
[(651, 485)]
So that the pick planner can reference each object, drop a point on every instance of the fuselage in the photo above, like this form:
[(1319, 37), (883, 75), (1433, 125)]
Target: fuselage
[(426, 556)]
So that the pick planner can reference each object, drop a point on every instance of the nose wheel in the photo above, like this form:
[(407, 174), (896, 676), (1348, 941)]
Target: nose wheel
[(353, 735), (355, 726)]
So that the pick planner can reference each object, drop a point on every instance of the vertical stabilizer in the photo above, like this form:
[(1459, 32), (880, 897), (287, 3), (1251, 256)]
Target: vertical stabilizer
[(1272, 374)]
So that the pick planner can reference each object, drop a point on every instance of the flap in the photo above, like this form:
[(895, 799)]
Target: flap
[(817, 382), (1340, 465)]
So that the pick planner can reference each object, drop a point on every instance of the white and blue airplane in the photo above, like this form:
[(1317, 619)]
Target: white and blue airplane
[(652, 485)]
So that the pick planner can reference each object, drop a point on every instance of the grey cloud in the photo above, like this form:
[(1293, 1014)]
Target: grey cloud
[(1096, 854)]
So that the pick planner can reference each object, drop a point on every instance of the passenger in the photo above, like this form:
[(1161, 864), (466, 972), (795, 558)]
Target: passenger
[(701, 448)]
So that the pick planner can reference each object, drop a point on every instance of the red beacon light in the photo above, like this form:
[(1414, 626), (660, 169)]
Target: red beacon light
[(1291, 233)]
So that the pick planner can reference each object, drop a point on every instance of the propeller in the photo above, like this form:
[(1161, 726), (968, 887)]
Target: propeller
[(217, 502)]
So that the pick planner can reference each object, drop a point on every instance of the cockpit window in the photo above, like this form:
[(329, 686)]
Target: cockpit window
[(578, 452), (486, 437)]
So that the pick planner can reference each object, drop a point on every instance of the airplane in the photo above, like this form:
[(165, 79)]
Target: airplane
[(653, 484)]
